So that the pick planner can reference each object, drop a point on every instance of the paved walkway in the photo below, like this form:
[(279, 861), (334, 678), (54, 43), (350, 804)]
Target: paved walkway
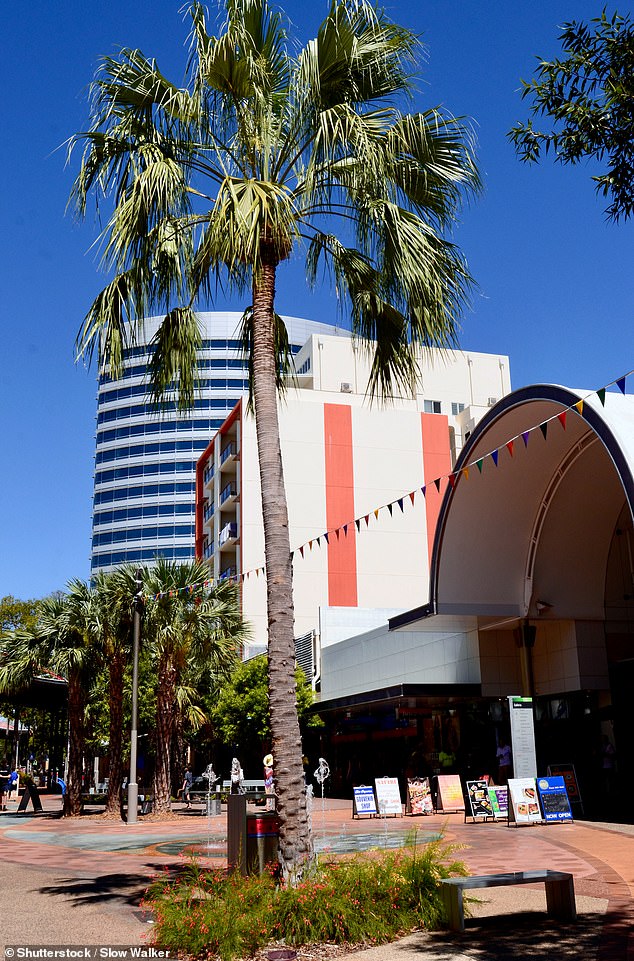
[(83, 880)]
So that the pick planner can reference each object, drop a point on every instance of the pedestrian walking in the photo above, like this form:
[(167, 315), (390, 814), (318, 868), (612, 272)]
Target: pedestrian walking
[(188, 780)]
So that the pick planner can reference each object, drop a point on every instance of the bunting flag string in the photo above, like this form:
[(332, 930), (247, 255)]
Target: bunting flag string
[(451, 478)]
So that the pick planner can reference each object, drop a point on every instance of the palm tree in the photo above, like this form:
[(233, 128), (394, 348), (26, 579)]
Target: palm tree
[(267, 150), (187, 632), (61, 641)]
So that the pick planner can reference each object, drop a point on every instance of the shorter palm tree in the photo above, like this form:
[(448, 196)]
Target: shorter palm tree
[(189, 632)]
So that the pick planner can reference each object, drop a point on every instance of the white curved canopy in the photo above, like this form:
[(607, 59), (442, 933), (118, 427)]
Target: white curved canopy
[(532, 535)]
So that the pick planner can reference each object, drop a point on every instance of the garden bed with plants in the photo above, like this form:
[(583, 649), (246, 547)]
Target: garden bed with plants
[(353, 902)]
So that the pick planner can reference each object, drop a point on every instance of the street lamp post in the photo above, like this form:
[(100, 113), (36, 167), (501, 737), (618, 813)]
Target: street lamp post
[(133, 787)]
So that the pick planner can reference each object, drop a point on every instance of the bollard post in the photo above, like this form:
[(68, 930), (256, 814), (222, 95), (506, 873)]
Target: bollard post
[(237, 833)]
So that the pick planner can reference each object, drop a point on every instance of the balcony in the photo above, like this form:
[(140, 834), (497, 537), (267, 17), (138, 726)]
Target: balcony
[(227, 452), (208, 473), (228, 534), (209, 511), (228, 492), (228, 572), (208, 550)]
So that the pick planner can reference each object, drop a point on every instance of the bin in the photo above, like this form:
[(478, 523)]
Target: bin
[(262, 841)]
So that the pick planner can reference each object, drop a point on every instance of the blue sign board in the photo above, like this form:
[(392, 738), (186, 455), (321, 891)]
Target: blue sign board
[(554, 799), (364, 800)]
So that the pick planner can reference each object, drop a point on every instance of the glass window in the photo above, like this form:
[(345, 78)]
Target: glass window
[(432, 407)]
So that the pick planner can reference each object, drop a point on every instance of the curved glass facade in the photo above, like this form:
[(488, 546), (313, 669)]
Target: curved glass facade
[(157, 449)]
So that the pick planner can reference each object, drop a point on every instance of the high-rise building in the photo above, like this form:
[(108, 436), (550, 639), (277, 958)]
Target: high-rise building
[(145, 459)]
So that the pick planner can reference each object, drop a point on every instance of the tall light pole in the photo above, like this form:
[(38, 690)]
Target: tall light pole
[(133, 787)]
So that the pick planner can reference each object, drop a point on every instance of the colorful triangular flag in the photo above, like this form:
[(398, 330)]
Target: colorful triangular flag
[(561, 417), (544, 429), (494, 457), (621, 384), (579, 406), (509, 447), (601, 395), (525, 437)]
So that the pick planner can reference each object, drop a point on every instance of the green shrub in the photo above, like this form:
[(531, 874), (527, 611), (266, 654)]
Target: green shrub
[(370, 898)]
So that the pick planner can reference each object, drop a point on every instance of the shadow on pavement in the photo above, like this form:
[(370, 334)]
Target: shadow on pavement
[(121, 889), (527, 935)]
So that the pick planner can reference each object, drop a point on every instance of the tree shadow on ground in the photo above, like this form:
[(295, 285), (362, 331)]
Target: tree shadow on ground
[(528, 935), (117, 889)]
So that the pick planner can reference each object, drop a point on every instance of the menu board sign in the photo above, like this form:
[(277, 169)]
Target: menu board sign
[(524, 803), (450, 793), (499, 798), (554, 799), (364, 800), (419, 796), (479, 800), (388, 795), (523, 737)]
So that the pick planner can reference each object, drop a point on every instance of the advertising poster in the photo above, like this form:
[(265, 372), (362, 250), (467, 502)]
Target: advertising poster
[(388, 796), (499, 798), (524, 802), (419, 796), (364, 800), (554, 799), (479, 800), (450, 797)]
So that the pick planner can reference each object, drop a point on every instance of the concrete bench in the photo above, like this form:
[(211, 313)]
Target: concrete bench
[(560, 892)]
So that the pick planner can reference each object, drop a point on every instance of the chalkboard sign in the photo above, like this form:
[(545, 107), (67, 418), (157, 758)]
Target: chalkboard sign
[(479, 801), (554, 799), (363, 801)]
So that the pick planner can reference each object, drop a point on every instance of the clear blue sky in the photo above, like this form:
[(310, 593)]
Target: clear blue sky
[(556, 285)]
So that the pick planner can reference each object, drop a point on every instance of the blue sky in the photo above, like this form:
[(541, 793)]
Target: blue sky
[(556, 285)]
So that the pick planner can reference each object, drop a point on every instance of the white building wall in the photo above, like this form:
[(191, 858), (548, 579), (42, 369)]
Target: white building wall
[(445, 652)]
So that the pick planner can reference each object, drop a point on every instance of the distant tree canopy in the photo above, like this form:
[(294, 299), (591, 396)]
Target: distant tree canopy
[(241, 713), (16, 614), (588, 99)]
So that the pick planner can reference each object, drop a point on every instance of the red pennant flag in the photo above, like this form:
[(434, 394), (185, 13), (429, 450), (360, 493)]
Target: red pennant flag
[(509, 447), (337, 533), (412, 496), (562, 418), (367, 520), (301, 550), (452, 480)]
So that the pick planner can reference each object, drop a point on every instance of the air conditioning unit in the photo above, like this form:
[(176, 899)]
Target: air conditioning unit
[(346, 388), (491, 401)]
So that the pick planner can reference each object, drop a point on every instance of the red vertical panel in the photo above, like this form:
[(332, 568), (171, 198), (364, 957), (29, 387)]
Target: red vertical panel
[(436, 463), (342, 550)]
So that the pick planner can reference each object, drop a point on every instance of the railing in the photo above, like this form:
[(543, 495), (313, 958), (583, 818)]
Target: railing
[(208, 551), (208, 473), (228, 572), (227, 452), (228, 491), (209, 511)]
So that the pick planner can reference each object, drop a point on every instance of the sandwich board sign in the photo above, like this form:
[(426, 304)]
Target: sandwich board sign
[(363, 801), (450, 797), (554, 799), (419, 796), (499, 797), (523, 801), (479, 800), (388, 796)]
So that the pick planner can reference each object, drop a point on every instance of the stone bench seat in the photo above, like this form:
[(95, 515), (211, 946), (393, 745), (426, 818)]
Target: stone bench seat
[(560, 892)]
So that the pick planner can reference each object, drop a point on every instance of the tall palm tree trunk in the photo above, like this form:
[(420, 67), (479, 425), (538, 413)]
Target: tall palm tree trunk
[(295, 840), (76, 706), (164, 730), (115, 746)]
